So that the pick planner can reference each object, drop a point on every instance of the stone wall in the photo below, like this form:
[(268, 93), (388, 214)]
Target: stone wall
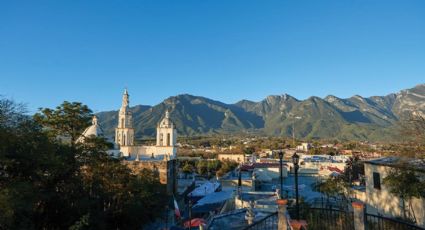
[(147, 151), (167, 171), (232, 157)]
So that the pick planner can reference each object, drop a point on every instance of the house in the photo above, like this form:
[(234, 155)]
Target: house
[(304, 147), (381, 201), (238, 157)]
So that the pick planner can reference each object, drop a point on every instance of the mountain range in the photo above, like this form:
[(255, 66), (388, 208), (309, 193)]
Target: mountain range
[(355, 118)]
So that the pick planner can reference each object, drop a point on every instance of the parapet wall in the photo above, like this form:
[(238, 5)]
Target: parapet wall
[(166, 170)]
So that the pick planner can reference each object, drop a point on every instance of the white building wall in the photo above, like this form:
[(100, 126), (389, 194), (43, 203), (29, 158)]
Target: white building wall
[(162, 136), (383, 202), (232, 157), (146, 151)]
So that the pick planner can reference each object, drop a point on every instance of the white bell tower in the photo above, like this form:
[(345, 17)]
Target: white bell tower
[(166, 133), (124, 133)]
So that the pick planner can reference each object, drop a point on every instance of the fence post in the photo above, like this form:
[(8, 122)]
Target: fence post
[(359, 220), (282, 223)]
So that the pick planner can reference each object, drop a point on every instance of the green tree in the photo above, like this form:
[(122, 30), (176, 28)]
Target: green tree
[(332, 187), (226, 166), (187, 168), (249, 150), (66, 121), (45, 184), (214, 165), (353, 170), (202, 167), (115, 194), (35, 175), (403, 182)]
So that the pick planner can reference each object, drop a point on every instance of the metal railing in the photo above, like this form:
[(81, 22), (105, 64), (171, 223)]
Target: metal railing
[(375, 222), (316, 218), (268, 222), (332, 219)]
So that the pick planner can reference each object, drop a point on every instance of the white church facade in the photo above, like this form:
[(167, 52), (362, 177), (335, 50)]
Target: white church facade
[(160, 157), (166, 136)]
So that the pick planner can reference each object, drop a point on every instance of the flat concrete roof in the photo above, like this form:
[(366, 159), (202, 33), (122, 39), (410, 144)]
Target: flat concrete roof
[(416, 164)]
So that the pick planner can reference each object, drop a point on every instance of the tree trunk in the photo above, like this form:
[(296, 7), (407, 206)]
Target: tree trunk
[(403, 207), (412, 211)]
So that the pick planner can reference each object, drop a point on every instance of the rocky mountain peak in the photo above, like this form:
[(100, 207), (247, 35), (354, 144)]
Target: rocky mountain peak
[(354, 118)]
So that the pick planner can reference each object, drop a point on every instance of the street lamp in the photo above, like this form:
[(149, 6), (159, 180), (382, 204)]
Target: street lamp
[(240, 180), (281, 173), (350, 170), (296, 160)]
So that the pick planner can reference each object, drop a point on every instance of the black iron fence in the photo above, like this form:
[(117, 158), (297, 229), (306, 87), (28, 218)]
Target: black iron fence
[(268, 222), (333, 219), (374, 222), (316, 218), (329, 219)]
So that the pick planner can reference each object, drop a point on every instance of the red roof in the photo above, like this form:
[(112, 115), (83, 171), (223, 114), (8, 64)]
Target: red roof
[(335, 169)]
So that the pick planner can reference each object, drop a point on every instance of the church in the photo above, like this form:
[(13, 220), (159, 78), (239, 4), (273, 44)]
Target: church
[(160, 157), (166, 136)]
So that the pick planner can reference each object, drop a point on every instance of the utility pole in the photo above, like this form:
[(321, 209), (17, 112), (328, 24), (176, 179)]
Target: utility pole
[(293, 127)]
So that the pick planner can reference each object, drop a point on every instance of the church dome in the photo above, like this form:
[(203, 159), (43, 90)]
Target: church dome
[(166, 121), (92, 131)]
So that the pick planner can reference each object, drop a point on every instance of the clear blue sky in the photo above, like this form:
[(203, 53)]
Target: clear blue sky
[(89, 51)]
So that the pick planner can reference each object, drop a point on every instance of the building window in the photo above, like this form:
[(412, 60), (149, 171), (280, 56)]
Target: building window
[(376, 180), (161, 139), (168, 139), (122, 122)]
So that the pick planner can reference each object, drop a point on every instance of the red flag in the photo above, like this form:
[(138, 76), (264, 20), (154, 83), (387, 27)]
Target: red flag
[(176, 208)]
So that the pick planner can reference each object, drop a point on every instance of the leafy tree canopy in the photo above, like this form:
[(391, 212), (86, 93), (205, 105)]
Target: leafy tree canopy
[(45, 184), (67, 120)]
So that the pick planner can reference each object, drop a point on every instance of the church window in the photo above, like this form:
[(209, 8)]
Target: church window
[(123, 139), (122, 122), (161, 139), (168, 139)]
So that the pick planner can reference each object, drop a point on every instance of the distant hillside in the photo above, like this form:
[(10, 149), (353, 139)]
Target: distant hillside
[(359, 118)]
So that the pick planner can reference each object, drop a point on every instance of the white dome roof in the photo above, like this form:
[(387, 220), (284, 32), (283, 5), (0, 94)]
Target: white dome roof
[(92, 131), (166, 121)]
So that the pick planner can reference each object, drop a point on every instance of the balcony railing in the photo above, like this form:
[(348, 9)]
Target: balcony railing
[(333, 219), (374, 222), (268, 222)]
